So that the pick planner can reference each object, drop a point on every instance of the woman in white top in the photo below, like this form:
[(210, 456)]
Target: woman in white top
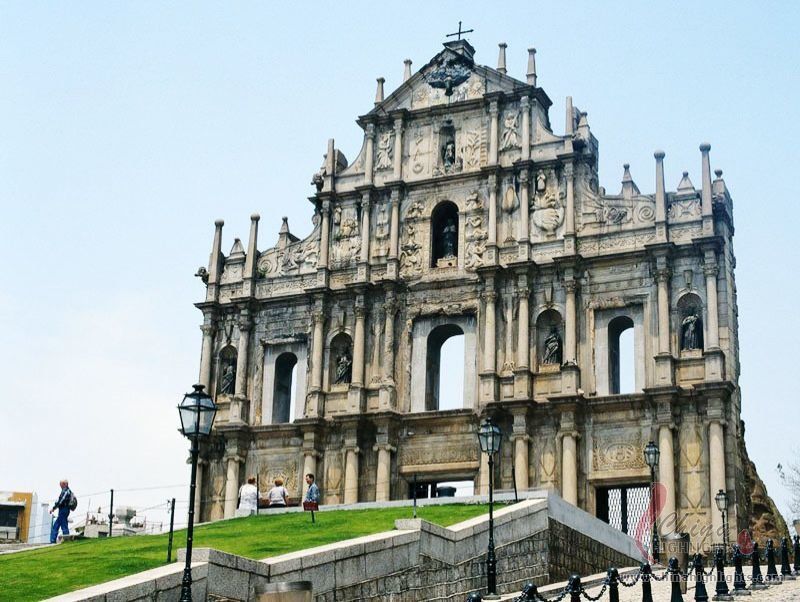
[(248, 495), (278, 494)]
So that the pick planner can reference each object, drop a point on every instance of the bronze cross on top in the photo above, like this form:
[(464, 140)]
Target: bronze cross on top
[(459, 32)]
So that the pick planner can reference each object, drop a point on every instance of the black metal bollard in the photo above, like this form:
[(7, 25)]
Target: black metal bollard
[(529, 593), (474, 597), (772, 570), (722, 585), (786, 568), (675, 577), (574, 588), (757, 581), (612, 580), (647, 587), (739, 584), (797, 554), (700, 591)]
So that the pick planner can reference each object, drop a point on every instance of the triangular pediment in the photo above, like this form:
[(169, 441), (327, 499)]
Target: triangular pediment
[(448, 77)]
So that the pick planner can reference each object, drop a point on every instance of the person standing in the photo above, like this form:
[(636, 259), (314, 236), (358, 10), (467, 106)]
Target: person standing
[(312, 494), (248, 495), (62, 505)]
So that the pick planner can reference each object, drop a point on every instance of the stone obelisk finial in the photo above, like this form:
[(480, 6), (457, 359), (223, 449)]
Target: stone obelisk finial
[(569, 128), (532, 66), (379, 91), (661, 196), (501, 58), (252, 253), (407, 70)]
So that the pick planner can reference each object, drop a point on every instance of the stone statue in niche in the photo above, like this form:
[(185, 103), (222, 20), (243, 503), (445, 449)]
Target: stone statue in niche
[(449, 153), (510, 138), (691, 332), (449, 242), (344, 369), (552, 352), (384, 157), (226, 383)]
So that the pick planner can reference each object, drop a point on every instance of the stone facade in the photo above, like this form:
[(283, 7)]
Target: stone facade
[(464, 213)]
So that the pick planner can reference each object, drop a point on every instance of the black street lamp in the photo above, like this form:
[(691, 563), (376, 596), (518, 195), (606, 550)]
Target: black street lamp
[(796, 567), (722, 505), (490, 436), (651, 457), (197, 412)]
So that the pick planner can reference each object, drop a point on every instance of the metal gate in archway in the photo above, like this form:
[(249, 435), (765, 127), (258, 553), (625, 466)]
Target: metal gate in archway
[(624, 506)]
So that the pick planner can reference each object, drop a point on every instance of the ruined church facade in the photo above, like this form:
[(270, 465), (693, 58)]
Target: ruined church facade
[(466, 214)]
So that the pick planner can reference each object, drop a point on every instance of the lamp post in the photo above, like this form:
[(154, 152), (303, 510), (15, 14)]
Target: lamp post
[(651, 457), (722, 505), (197, 412), (490, 437)]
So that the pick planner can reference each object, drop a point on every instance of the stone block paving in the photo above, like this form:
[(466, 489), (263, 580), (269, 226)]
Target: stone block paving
[(788, 591)]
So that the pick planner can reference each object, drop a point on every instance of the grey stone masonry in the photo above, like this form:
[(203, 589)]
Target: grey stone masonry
[(538, 539)]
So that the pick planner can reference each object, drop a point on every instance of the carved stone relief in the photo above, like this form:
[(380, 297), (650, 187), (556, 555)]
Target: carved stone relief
[(346, 239), (510, 136), (437, 454), (547, 203), (420, 151), (471, 149), (385, 151), (476, 236), (616, 452), (382, 233), (411, 251)]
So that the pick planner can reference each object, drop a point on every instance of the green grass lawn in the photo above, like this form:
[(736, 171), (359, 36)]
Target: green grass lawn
[(48, 572)]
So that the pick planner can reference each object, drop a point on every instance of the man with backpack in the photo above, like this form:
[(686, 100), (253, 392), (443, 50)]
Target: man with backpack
[(64, 504)]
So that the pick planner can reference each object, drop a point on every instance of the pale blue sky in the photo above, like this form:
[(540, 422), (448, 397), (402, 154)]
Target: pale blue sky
[(127, 128)]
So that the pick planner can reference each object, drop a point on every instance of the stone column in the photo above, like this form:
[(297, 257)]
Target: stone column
[(569, 218), (491, 242), (351, 475), (232, 485), (521, 461), (711, 271), (489, 336), (398, 148), (309, 466), (394, 226), (325, 234), (383, 477), (525, 107), (666, 473), (662, 277), (369, 153), (206, 353), (523, 330), (388, 333), (365, 208), (318, 345), (524, 209), (358, 344), (571, 326), (245, 324), (716, 460), (493, 116), (520, 438), (569, 469), (198, 491), (483, 474)]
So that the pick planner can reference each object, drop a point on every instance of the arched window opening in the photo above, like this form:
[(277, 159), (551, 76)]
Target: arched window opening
[(284, 396), (445, 369), (444, 235), (621, 356), (549, 339), (226, 375), (690, 313), (340, 364)]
